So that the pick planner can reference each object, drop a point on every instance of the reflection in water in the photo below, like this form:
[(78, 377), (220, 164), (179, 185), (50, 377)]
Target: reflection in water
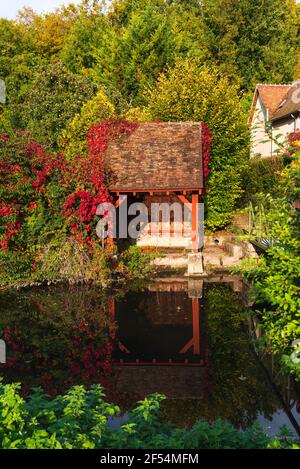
[(185, 339)]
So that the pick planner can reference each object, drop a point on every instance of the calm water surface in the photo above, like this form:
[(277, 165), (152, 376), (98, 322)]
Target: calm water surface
[(186, 339)]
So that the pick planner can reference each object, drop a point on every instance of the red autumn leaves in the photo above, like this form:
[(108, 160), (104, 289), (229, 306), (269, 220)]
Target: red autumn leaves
[(83, 181)]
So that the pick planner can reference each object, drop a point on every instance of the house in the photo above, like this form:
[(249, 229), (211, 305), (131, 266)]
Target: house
[(275, 113), (162, 163)]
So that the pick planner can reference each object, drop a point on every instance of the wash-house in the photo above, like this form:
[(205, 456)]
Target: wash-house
[(162, 163)]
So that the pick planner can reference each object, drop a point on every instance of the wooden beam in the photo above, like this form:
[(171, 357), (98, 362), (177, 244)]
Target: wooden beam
[(184, 200), (195, 341), (122, 198), (184, 190)]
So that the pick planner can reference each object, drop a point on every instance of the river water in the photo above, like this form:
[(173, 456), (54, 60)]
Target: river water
[(186, 339)]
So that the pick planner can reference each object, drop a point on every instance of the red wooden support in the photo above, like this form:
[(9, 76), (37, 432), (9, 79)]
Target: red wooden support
[(184, 200), (195, 341), (122, 347), (195, 221), (122, 198), (196, 325)]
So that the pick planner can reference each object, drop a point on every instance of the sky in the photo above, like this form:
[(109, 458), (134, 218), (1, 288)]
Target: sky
[(9, 8)]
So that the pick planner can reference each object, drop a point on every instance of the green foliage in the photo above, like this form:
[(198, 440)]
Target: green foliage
[(136, 263), (74, 138), (80, 420), (276, 277), (52, 99), (253, 40), (190, 92), (291, 364), (261, 175)]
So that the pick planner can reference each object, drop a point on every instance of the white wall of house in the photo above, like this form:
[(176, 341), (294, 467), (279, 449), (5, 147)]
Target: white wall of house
[(261, 143), (282, 128)]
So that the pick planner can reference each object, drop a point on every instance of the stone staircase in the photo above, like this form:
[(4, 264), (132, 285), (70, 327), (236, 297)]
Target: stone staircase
[(220, 252)]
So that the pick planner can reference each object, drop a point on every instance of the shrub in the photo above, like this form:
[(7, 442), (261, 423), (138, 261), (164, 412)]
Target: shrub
[(262, 175), (135, 262), (73, 139), (80, 420)]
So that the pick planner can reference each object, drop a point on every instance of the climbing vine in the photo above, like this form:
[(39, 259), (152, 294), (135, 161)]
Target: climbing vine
[(206, 149), (48, 200)]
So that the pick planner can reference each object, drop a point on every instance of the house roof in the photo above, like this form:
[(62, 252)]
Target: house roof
[(271, 96), (278, 100), (157, 156), (290, 102)]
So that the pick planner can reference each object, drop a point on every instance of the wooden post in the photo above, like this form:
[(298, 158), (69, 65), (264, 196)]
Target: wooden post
[(195, 221), (121, 199)]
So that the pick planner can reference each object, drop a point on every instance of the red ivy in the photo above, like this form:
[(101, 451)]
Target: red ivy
[(206, 149), (81, 205), (87, 358), (44, 165), (9, 214)]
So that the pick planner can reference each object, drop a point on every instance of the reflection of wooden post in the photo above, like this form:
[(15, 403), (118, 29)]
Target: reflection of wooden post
[(196, 326), (195, 341)]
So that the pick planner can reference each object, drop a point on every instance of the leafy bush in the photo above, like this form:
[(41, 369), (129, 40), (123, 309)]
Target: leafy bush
[(262, 175), (80, 420), (48, 208), (73, 139), (135, 262)]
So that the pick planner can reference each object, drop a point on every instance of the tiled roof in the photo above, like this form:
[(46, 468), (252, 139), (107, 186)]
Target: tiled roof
[(157, 156), (272, 96), (290, 102)]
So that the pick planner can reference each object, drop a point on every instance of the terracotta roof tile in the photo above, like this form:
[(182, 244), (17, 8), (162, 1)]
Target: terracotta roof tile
[(290, 102), (272, 96), (158, 156)]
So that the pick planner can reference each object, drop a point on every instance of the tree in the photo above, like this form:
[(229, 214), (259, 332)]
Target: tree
[(254, 39), (74, 138), (191, 92), (133, 54), (52, 99), (89, 31)]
